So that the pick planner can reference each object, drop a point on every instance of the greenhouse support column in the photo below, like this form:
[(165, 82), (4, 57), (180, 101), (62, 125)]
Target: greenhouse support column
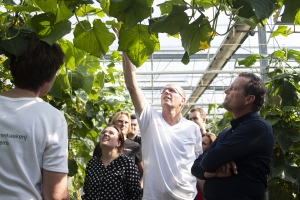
[(263, 50), (152, 97)]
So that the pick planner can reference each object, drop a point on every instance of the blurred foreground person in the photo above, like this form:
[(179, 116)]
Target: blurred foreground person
[(33, 134)]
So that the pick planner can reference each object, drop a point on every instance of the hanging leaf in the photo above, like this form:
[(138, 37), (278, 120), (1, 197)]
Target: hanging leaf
[(258, 8), (291, 12), (250, 60), (73, 168), (172, 23), (129, 11), (166, 7), (94, 40), (138, 43), (196, 34), (281, 30)]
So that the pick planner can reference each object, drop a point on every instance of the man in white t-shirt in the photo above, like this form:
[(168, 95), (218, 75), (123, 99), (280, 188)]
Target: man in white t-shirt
[(170, 142), (33, 134)]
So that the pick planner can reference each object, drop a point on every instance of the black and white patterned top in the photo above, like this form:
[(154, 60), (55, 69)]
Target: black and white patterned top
[(118, 180)]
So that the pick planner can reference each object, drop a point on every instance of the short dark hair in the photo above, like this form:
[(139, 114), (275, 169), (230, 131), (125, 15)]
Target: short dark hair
[(133, 116), (37, 65), (255, 87)]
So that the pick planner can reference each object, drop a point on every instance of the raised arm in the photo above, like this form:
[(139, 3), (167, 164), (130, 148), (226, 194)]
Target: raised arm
[(136, 94)]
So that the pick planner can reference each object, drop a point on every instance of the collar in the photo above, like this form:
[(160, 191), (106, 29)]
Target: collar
[(238, 121)]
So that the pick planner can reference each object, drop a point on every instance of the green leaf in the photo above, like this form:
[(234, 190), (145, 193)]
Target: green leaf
[(130, 11), (282, 30), (86, 10), (85, 1), (288, 108), (114, 24), (272, 119), (89, 109), (194, 35), (166, 7), (77, 122), (16, 44), (171, 24), (115, 56), (42, 24), (284, 141), (206, 4), (76, 80), (291, 12), (47, 6), (94, 40), (249, 22), (250, 60), (291, 173), (287, 93), (105, 4), (65, 9), (59, 30), (278, 171), (93, 95), (292, 53), (64, 81), (138, 43), (73, 167), (73, 55), (90, 64), (250, 8), (19, 8), (186, 58), (88, 83), (81, 95), (56, 90), (99, 80)]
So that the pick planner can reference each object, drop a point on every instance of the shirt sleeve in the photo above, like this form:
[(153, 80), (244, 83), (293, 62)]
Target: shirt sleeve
[(55, 157), (138, 155)]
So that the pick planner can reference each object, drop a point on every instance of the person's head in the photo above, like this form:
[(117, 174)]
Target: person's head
[(112, 138), (198, 116), (37, 66), (134, 124), (246, 94), (172, 96), (207, 140), (122, 121)]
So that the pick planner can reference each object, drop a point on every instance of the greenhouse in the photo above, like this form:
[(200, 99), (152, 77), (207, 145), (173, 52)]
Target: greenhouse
[(201, 46)]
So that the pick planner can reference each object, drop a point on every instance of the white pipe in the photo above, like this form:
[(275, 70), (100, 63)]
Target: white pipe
[(197, 72), (233, 71)]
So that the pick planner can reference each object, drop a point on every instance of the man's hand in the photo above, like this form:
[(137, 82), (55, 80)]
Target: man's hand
[(223, 171)]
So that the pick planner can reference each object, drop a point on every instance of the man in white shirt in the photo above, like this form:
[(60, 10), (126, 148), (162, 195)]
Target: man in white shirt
[(170, 142)]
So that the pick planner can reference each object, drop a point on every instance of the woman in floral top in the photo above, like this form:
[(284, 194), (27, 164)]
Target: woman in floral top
[(111, 175)]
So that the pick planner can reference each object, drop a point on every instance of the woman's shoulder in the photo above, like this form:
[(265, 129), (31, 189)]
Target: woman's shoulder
[(126, 158)]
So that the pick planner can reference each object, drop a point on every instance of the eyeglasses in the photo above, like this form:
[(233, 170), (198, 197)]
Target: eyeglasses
[(194, 118), (171, 90)]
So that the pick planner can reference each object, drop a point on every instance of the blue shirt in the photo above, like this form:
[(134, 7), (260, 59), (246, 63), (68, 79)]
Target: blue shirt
[(249, 143)]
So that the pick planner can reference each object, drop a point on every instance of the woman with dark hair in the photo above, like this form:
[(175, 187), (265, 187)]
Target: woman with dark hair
[(111, 175)]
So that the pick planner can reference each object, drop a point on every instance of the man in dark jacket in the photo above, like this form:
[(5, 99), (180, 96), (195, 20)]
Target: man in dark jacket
[(237, 164)]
